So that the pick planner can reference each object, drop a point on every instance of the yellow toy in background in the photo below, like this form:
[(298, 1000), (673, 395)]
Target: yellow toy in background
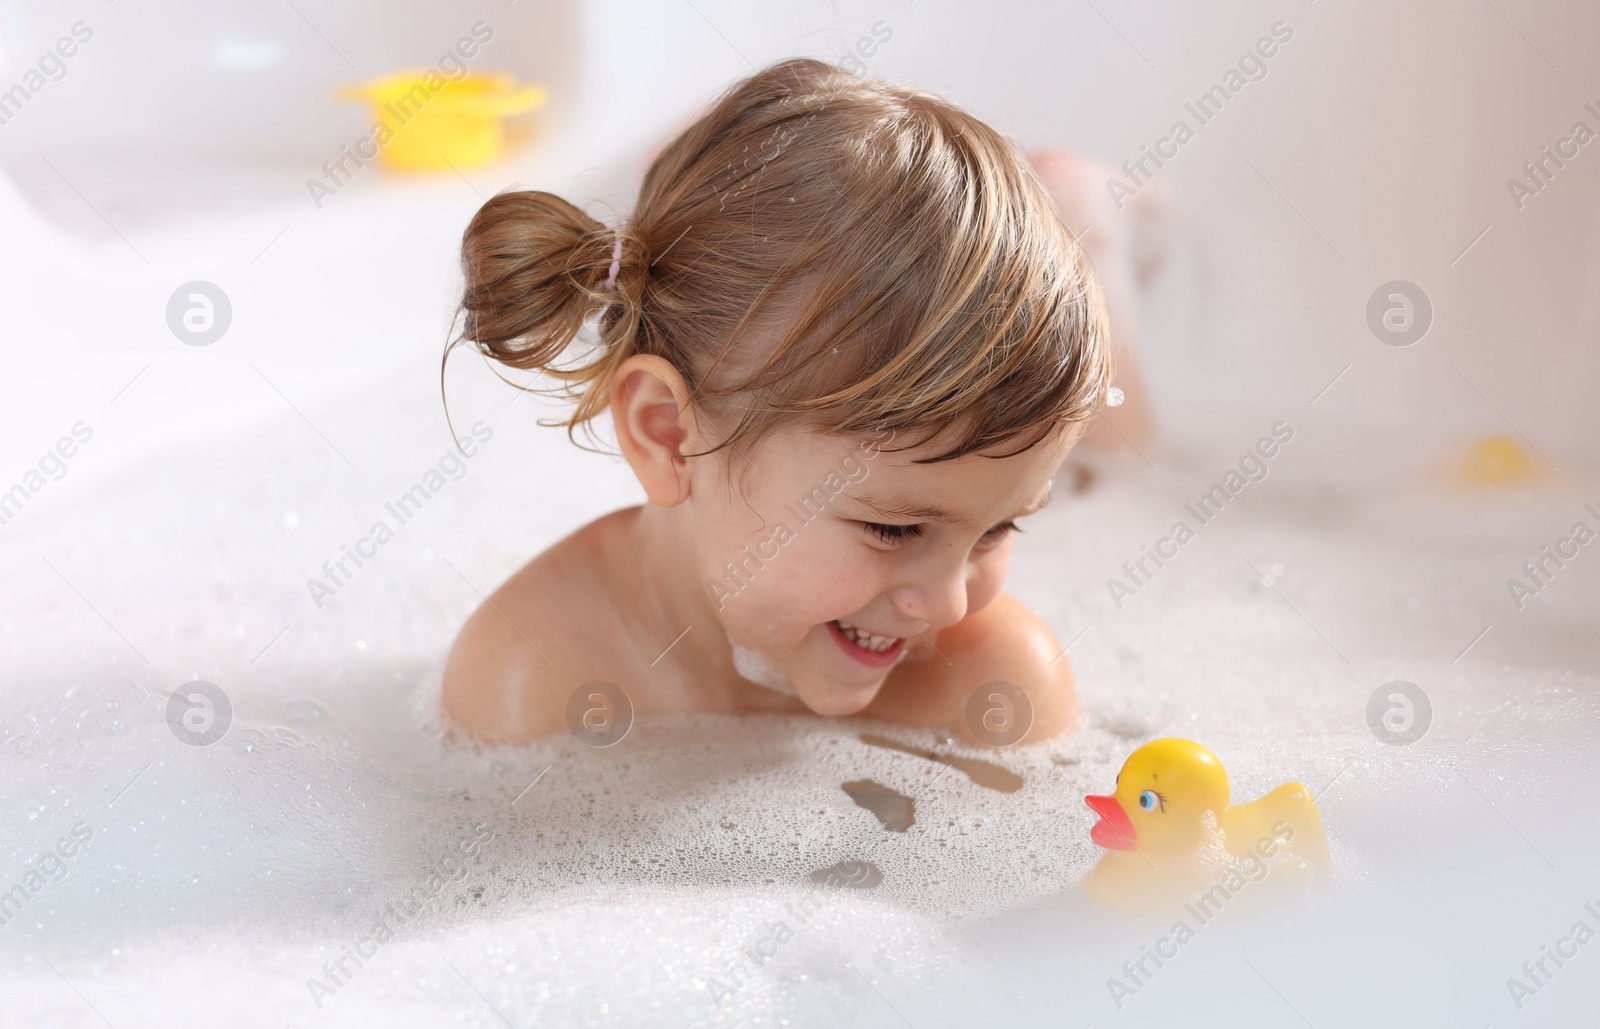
[(1498, 461), (1172, 833), (460, 123)]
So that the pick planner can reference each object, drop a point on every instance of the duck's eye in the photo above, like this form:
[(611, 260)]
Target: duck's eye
[(1149, 800)]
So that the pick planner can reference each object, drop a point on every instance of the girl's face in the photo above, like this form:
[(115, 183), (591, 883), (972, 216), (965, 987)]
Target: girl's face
[(838, 558)]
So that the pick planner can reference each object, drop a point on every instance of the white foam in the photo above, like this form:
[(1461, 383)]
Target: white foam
[(621, 885), (761, 669)]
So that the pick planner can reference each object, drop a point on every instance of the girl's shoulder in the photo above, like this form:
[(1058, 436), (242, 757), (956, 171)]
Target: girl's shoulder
[(539, 636), (966, 681)]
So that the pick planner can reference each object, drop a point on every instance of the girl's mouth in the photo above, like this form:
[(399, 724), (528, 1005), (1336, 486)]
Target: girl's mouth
[(868, 648)]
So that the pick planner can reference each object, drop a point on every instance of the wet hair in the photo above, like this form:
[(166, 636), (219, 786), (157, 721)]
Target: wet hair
[(818, 248)]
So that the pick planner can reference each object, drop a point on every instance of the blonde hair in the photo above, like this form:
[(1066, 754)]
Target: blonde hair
[(912, 267)]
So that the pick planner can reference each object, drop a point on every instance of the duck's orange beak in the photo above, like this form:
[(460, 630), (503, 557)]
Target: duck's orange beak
[(1115, 829)]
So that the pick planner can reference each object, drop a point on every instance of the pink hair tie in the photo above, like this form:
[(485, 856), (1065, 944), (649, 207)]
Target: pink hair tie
[(616, 263)]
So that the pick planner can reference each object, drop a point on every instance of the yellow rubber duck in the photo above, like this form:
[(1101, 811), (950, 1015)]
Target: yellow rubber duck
[(1171, 829), (1498, 461)]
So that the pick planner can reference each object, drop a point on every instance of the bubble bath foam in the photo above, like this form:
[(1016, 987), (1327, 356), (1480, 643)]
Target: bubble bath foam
[(760, 669), (336, 858)]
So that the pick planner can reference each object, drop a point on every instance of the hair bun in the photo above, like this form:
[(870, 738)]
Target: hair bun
[(535, 269)]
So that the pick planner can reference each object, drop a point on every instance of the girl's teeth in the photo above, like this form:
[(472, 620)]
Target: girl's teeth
[(866, 640)]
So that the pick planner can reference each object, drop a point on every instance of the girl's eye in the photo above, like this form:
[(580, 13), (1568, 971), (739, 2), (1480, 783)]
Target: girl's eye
[(893, 533), (1001, 531), (1149, 800)]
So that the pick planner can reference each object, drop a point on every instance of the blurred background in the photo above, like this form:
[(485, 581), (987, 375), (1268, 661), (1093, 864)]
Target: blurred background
[(177, 145)]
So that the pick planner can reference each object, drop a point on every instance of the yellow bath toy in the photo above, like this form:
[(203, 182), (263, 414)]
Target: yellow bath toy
[(1171, 831), (1498, 460), (427, 121)]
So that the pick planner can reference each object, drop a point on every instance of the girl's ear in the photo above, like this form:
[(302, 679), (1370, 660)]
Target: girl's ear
[(654, 420)]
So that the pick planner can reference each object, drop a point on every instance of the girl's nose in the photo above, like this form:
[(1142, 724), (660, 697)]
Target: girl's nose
[(938, 599)]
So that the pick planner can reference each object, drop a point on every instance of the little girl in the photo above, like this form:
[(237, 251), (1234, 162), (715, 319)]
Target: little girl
[(846, 341)]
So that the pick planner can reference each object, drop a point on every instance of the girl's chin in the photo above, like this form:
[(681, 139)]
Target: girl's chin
[(836, 701)]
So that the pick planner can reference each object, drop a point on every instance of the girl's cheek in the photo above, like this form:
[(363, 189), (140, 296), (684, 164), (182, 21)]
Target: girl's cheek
[(988, 580), (782, 601), (803, 583)]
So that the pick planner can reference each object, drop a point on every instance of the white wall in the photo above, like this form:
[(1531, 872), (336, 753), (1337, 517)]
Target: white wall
[(1389, 130)]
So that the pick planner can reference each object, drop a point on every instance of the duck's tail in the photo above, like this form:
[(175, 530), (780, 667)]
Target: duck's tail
[(1294, 805)]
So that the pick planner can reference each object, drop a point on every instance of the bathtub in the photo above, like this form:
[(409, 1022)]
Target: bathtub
[(332, 859), (562, 884)]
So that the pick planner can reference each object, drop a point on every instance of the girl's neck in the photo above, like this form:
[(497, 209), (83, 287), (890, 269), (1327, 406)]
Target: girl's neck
[(689, 655)]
